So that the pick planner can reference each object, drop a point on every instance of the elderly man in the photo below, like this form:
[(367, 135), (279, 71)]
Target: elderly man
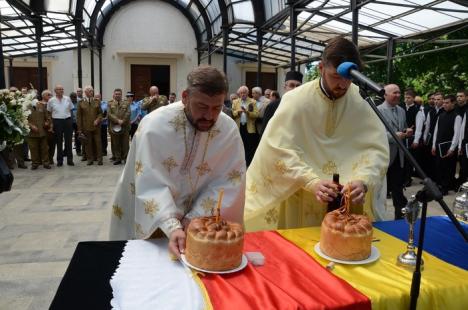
[(396, 117), (88, 120), (245, 113), (39, 123), (61, 107), (314, 135), (154, 101), (162, 188), (262, 104)]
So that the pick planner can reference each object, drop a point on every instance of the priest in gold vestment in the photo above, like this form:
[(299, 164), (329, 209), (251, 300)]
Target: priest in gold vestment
[(320, 128), (181, 156)]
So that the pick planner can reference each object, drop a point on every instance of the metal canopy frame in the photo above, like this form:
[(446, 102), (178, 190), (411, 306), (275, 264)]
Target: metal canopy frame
[(279, 33)]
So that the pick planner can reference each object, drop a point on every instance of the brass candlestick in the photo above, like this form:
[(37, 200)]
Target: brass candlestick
[(411, 212)]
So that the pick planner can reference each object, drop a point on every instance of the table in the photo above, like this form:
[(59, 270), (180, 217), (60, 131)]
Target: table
[(85, 284)]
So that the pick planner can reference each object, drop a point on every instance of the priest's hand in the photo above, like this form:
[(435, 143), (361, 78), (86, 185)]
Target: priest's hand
[(177, 242), (358, 191), (325, 191)]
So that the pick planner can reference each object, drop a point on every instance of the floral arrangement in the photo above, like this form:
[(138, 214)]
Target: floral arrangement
[(14, 111)]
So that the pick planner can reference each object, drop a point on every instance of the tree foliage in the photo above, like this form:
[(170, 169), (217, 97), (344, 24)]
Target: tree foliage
[(444, 71)]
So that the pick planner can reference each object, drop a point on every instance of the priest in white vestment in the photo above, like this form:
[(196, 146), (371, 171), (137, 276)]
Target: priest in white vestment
[(320, 128), (181, 156)]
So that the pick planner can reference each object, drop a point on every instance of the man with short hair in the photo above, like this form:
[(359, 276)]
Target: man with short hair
[(245, 113), (135, 113), (321, 128), (431, 121), (172, 97), (262, 104), (39, 123), (396, 117), (292, 80), (412, 110), (60, 107), (154, 101), (119, 124), (445, 143), (267, 93), (182, 155), (79, 94), (88, 120)]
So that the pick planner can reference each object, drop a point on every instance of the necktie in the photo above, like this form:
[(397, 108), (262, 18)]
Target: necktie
[(395, 116)]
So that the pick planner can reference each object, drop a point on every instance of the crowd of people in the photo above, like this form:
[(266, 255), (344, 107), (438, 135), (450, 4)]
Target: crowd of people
[(81, 121), (435, 131)]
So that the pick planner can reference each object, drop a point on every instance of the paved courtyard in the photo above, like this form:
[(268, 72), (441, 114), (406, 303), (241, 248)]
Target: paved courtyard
[(46, 214)]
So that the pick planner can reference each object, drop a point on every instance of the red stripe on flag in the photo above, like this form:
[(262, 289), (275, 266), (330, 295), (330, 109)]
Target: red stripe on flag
[(290, 279)]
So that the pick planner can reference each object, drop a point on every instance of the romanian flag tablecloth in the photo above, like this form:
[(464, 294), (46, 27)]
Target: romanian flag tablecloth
[(295, 277)]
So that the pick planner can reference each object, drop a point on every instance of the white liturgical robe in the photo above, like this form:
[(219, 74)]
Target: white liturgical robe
[(174, 171)]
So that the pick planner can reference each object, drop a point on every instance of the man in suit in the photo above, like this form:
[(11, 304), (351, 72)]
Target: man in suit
[(245, 112), (396, 117)]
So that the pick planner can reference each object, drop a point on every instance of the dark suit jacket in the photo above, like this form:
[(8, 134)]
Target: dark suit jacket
[(269, 112)]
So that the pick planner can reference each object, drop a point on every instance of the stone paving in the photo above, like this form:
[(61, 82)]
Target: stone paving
[(42, 219), (47, 213)]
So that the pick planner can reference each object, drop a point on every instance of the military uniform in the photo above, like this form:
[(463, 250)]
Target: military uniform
[(37, 139), (88, 112), (119, 139), (152, 104)]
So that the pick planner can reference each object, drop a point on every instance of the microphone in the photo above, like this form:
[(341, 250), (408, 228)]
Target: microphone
[(349, 70)]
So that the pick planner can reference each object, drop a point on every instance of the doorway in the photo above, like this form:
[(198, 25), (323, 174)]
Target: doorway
[(268, 80), (144, 76), (27, 76)]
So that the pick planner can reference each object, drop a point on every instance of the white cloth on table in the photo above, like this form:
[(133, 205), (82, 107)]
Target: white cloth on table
[(147, 278)]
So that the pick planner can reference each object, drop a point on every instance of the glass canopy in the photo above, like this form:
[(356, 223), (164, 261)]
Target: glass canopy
[(317, 22)]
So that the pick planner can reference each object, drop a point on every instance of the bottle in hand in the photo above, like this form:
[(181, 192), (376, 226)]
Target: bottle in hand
[(336, 203)]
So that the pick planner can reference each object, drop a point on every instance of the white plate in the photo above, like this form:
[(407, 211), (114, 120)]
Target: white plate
[(375, 254), (242, 265)]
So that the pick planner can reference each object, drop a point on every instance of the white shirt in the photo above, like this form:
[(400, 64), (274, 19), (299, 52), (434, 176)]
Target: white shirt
[(243, 119), (420, 120), (462, 132), (61, 109)]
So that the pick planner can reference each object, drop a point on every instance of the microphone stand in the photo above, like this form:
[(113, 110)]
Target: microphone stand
[(429, 192)]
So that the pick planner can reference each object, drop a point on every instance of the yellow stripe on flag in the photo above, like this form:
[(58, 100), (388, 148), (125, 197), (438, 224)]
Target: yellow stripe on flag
[(443, 286)]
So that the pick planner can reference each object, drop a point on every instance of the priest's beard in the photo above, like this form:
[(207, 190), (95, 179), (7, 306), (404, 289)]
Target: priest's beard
[(200, 124)]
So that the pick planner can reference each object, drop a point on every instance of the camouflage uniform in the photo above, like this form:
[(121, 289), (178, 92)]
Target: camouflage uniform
[(119, 140), (152, 104), (89, 111), (37, 139)]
